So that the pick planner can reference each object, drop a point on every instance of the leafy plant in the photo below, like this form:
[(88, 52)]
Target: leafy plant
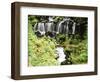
[(41, 50)]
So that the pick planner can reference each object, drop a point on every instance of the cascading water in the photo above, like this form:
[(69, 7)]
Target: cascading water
[(62, 26), (48, 27), (67, 30), (73, 28), (50, 24), (41, 28), (59, 27), (61, 55)]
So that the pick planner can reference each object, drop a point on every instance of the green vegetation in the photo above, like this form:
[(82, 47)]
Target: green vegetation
[(76, 47), (41, 50)]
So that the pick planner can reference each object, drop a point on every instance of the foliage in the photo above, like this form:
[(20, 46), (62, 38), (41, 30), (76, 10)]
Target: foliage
[(79, 53), (41, 50)]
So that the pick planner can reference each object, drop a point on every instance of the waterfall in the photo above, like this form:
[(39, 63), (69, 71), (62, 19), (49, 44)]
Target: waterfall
[(73, 28), (41, 28), (61, 55), (49, 24), (48, 27), (67, 27), (59, 27)]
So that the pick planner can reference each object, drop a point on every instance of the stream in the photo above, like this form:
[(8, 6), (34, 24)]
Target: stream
[(61, 55)]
